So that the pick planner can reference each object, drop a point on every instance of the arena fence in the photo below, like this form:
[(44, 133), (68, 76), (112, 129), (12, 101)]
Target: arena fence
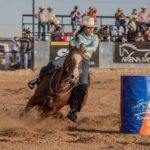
[(65, 22), (108, 54)]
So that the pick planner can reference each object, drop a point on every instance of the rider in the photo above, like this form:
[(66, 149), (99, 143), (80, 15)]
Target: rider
[(89, 41)]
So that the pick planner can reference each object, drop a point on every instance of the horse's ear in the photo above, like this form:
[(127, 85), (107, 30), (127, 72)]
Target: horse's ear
[(81, 48)]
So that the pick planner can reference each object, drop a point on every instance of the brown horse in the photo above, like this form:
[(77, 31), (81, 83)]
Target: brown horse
[(55, 89)]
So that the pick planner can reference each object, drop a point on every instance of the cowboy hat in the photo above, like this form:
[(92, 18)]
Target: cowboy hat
[(119, 9), (49, 8), (144, 7), (88, 22), (41, 7)]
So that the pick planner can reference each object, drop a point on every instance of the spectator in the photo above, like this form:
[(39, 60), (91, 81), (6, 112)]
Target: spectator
[(56, 28), (131, 34), (42, 21), (120, 19), (134, 15), (92, 13), (51, 19), (62, 37), (113, 33), (147, 31), (143, 19), (25, 49), (133, 19), (147, 38), (106, 34), (15, 50), (133, 24), (139, 37), (119, 38), (75, 16)]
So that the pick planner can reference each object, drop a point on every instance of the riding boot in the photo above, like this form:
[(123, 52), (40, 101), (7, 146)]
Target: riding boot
[(77, 101), (41, 76), (81, 90), (72, 115)]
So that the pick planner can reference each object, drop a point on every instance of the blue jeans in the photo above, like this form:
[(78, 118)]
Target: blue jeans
[(122, 23), (74, 24), (24, 60), (43, 26), (59, 62), (85, 71)]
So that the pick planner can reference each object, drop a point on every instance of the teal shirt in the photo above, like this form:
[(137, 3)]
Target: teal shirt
[(90, 43)]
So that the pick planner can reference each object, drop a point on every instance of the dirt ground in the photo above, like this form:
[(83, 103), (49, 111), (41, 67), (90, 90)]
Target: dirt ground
[(98, 124)]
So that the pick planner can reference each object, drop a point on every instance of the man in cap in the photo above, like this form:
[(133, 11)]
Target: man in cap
[(75, 16)]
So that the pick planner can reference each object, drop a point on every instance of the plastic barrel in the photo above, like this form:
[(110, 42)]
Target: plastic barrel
[(135, 104)]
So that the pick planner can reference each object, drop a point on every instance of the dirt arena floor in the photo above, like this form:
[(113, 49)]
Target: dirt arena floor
[(98, 124)]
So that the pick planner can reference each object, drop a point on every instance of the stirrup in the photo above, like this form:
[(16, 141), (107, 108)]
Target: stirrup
[(32, 83)]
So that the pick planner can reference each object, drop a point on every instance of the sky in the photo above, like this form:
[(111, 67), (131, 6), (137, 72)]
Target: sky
[(11, 10)]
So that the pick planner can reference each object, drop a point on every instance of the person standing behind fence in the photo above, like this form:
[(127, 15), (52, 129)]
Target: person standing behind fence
[(143, 19), (92, 13), (120, 19), (25, 49), (15, 50), (51, 19), (42, 21), (75, 16)]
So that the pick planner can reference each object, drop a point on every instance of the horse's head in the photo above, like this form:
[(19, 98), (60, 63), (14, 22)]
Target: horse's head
[(73, 63)]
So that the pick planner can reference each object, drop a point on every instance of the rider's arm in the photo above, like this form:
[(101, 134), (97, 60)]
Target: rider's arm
[(93, 46)]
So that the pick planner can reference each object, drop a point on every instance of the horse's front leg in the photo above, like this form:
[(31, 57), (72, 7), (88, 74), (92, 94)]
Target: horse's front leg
[(29, 106)]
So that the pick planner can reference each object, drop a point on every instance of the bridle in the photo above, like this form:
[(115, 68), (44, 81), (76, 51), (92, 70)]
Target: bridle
[(69, 85)]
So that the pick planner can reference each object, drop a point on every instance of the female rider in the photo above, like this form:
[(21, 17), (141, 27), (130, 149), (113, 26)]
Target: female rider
[(89, 41)]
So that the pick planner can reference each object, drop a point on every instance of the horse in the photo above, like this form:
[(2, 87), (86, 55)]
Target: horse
[(55, 90)]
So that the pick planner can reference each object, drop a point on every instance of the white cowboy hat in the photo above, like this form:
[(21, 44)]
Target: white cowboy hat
[(49, 8), (119, 9), (88, 22), (41, 7), (144, 7)]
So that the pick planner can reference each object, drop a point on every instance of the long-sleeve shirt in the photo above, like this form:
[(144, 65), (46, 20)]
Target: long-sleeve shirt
[(51, 17), (143, 17), (90, 43), (16, 46), (42, 16)]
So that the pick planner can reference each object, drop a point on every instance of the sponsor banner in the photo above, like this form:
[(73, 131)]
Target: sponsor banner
[(59, 49), (132, 53), (60, 43)]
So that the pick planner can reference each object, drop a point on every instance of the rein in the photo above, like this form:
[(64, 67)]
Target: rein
[(55, 91), (58, 88)]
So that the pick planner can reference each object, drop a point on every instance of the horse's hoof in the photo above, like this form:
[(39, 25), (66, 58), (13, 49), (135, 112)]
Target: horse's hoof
[(59, 115), (68, 122)]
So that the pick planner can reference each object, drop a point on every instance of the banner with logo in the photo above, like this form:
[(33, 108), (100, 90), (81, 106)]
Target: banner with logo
[(59, 49), (138, 52)]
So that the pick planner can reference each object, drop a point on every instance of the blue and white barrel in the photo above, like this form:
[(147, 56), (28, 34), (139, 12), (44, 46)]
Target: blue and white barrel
[(135, 104)]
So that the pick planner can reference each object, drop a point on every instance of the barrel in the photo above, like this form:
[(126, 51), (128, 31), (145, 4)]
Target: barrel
[(135, 104)]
